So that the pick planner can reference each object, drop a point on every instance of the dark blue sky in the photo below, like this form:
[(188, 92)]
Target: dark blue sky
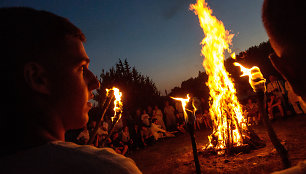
[(159, 37)]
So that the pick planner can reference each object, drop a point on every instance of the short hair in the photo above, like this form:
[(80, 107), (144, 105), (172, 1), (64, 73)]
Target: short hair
[(285, 21), (25, 32), (27, 35)]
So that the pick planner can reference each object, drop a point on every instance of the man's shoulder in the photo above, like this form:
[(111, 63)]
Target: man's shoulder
[(105, 158), (63, 157)]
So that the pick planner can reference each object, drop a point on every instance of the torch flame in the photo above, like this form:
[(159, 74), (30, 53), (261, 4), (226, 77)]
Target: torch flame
[(225, 110), (117, 102), (184, 102), (256, 79)]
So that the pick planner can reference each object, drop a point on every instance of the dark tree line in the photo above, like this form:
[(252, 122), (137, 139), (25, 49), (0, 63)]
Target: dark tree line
[(138, 90), (253, 56)]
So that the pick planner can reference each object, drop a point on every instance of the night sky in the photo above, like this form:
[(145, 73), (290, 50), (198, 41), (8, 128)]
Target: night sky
[(161, 38)]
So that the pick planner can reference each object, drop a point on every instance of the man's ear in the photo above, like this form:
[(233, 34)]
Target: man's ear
[(35, 77)]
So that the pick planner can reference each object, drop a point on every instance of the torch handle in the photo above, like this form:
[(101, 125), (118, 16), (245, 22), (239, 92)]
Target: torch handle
[(94, 132), (272, 135), (194, 147), (116, 118)]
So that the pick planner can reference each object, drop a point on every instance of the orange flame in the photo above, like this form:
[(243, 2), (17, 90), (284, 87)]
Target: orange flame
[(256, 79), (184, 102), (117, 102), (225, 110)]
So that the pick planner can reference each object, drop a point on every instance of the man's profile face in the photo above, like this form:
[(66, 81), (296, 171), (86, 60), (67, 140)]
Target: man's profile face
[(290, 64), (72, 84)]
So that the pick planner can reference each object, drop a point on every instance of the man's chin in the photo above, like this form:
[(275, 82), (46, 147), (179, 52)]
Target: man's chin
[(79, 123)]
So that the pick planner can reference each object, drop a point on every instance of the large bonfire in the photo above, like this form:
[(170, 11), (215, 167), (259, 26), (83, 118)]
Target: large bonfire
[(230, 129)]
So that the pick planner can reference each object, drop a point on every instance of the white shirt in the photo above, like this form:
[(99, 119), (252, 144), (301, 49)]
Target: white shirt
[(60, 157)]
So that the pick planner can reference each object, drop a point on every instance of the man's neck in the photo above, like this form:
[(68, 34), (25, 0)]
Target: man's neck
[(32, 133)]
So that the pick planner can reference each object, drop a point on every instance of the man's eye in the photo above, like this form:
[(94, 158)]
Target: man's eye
[(83, 68)]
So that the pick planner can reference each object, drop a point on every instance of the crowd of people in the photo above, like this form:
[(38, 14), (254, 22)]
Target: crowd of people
[(144, 127), (149, 125), (281, 102)]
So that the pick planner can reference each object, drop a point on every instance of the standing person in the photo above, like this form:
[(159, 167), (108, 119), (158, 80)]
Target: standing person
[(295, 100), (46, 67), (276, 87), (285, 23), (158, 114), (287, 42), (274, 102), (170, 117)]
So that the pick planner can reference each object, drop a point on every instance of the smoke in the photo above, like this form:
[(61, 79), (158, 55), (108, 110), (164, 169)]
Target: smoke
[(172, 7)]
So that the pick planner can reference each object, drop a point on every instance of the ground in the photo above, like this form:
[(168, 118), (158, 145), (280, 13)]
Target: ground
[(174, 155)]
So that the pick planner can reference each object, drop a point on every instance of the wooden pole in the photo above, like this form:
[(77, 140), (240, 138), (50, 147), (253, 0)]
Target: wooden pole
[(190, 125), (194, 147), (116, 118), (94, 132), (272, 135)]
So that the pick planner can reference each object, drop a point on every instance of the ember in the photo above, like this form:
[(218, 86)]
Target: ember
[(230, 129)]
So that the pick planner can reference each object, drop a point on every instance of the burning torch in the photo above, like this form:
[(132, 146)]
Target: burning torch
[(189, 120), (117, 112), (105, 104), (257, 81)]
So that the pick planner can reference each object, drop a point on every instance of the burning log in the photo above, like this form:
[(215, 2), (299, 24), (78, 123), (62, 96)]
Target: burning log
[(257, 82)]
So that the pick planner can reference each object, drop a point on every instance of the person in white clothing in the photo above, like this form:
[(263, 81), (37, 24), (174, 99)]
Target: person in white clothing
[(295, 100), (158, 114), (158, 132)]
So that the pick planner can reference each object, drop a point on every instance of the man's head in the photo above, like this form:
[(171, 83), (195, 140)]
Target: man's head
[(45, 68), (285, 23)]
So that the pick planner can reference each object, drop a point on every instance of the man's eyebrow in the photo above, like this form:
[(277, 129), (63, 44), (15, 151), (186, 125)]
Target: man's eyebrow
[(82, 59)]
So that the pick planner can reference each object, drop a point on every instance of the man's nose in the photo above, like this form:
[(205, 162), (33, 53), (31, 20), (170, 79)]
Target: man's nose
[(92, 81)]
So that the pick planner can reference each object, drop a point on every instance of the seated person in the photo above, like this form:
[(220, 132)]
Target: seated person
[(125, 137), (83, 137), (118, 145), (145, 119), (136, 137), (180, 123), (198, 120), (158, 132), (146, 136)]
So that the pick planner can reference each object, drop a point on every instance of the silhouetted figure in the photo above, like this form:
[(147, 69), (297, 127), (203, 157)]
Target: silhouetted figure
[(47, 87)]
